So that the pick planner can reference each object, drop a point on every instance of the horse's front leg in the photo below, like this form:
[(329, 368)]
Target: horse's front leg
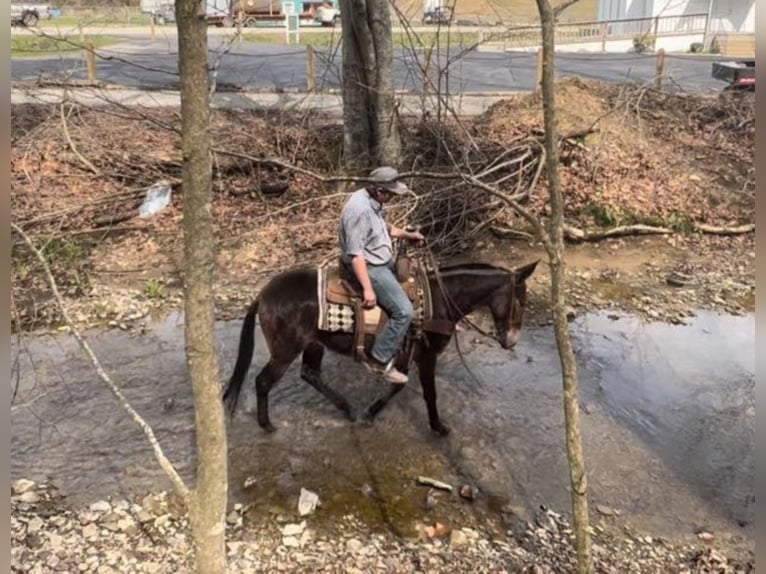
[(394, 389), (427, 368)]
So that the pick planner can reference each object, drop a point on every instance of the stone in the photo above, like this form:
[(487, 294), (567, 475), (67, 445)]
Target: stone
[(30, 497), (35, 525), (21, 486), (307, 502), (293, 529), (458, 539), (89, 531), (291, 542), (605, 510), (101, 506), (353, 545)]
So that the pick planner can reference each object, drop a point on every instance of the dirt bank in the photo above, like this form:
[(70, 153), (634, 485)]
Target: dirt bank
[(680, 163)]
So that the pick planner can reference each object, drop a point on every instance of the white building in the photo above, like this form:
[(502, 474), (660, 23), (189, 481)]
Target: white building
[(728, 16)]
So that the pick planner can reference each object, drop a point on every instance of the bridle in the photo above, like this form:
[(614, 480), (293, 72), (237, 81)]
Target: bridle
[(451, 302)]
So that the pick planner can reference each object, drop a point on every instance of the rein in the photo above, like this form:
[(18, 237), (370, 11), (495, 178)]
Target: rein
[(450, 301)]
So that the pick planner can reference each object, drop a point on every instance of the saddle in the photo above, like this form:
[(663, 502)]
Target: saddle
[(341, 298)]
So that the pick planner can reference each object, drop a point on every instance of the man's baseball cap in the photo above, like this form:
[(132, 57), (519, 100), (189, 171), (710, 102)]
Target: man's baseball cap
[(385, 177)]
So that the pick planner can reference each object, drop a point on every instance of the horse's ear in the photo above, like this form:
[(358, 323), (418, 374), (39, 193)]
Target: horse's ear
[(523, 273)]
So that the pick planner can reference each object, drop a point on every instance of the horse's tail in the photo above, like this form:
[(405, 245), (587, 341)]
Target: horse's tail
[(244, 358)]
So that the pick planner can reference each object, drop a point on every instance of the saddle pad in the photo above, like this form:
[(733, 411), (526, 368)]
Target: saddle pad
[(336, 312)]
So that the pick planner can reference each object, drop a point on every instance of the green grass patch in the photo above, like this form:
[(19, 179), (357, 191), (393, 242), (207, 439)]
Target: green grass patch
[(608, 216), (25, 46), (71, 18), (400, 39)]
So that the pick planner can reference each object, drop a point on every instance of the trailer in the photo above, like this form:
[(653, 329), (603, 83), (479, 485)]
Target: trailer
[(252, 13), (740, 75)]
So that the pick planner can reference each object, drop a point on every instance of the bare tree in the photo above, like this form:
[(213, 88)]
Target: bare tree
[(371, 134), (577, 473), (207, 506)]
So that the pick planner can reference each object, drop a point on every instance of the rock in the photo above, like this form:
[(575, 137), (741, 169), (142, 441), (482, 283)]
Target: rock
[(470, 533), (706, 536), (458, 539), (467, 492), (34, 525), (430, 499), (127, 525), (21, 486), (233, 518), (291, 542), (293, 529), (143, 516), (605, 510), (101, 506), (30, 497), (34, 541), (354, 546), (89, 531), (307, 502)]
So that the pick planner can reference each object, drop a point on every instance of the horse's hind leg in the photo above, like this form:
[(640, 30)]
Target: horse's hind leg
[(264, 382), (311, 372)]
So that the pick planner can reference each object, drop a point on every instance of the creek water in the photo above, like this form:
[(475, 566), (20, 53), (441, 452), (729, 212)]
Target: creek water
[(668, 424)]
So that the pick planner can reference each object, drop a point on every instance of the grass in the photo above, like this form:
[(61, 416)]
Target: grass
[(400, 39), (73, 18), (607, 216), (26, 46)]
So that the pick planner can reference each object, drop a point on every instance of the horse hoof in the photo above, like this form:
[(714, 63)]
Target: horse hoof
[(269, 428), (440, 429), (351, 416), (366, 420)]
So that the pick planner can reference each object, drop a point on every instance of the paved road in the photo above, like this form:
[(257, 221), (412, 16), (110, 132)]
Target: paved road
[(139, 62)]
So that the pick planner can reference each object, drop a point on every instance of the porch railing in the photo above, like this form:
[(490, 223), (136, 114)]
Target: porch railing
[(604, 31)]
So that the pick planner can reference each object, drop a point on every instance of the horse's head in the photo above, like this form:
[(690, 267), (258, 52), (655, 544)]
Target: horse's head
[(507, 306)]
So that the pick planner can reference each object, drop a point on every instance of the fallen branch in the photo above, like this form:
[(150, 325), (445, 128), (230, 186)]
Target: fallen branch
[(164, 463), (427, 481), (736, 230), (577, 234), (83, 159)]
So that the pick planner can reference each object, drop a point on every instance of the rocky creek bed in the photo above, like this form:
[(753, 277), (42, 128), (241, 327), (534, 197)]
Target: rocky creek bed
[(151, 535)]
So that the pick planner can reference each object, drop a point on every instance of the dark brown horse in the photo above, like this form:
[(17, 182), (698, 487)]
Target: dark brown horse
[(288, 309)]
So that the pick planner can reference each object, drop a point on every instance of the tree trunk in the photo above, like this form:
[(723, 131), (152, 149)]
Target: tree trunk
[(577, 472), (207, 508), (371, 135)]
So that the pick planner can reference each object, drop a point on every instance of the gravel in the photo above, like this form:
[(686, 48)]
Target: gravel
[(152, 536)]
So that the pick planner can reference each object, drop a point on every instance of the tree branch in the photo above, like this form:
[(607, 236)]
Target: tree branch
[(87, 163), (165, 464)]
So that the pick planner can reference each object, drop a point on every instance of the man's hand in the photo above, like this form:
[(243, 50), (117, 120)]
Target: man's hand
[(369, 299), (415, 236)]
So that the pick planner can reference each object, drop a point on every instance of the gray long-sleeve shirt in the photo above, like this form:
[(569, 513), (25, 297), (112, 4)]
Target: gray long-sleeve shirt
[(363, 230)]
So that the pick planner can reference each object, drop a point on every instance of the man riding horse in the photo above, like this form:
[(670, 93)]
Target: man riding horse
[(368, 257)]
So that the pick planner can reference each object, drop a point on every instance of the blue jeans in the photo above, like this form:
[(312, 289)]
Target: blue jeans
[(394, 301)]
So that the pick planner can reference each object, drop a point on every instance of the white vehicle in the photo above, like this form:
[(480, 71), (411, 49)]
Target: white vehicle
[(328, 14)]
